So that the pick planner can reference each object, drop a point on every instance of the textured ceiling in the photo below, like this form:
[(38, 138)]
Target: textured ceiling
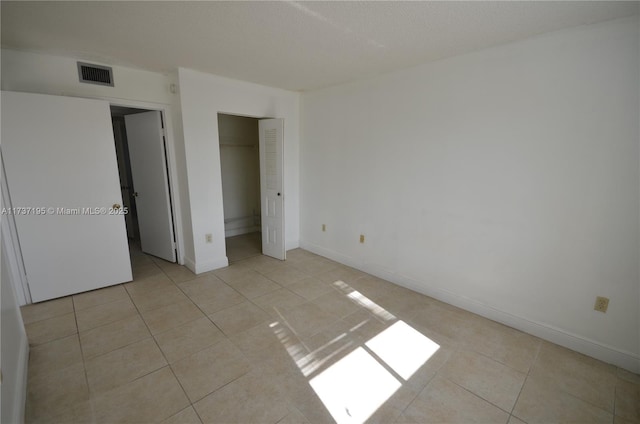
[(292, 45)]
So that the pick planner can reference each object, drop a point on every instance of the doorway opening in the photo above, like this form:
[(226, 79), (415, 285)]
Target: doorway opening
[(240, 169), (140, 144)]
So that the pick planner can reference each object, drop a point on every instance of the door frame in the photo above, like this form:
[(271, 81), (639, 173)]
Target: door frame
[(72, 107), (284, 216), (11, 243), (172, 170)]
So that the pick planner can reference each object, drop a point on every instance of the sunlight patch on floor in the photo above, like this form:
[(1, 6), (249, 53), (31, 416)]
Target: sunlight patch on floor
[(403, 348), (364, 301), (309, 362), (355, 387), (364, 377)]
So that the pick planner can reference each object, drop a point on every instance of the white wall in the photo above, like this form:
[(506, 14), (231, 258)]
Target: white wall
[(505, 181), (194, 114), (58, 75), (202, 97), (240, 171)]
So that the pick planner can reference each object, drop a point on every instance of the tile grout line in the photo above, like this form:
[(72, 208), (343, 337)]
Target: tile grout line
[(169, 365), (615, 398), (422, 389), (575, 396), (138, 313), (217, 389), (208, 315), (192, 403), (502, 363), (113, 322), (258, 367), (84, 364), (153, 337), (535, 359), (43, 302), (57, 338), (477, 396), (439, 374), (103, 324), (435, 374)]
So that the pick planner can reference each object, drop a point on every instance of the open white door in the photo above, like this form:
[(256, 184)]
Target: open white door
[(271, 187), (145, 137), (60, 161)]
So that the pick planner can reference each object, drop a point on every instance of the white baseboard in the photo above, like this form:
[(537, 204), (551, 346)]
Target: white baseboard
[(232, 232), (627, 360), (291, 244), (200, 267), (190, 263)]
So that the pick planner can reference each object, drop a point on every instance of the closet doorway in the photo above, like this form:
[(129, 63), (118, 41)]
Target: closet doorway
[(240, 169)]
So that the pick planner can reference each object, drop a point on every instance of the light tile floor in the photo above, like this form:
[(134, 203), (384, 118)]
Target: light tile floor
[(302, 341), (243, 246)]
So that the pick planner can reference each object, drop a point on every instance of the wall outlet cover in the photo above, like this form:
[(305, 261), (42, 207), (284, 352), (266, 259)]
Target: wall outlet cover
[(601, 305)]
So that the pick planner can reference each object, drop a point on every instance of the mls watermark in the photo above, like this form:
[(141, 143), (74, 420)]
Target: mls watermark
[(62, 211)]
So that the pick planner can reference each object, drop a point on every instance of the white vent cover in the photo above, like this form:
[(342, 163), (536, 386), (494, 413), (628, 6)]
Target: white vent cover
[(95, 74)]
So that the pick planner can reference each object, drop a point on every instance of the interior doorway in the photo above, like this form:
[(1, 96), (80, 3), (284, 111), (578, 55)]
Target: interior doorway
[(143, 169), (240, 169)]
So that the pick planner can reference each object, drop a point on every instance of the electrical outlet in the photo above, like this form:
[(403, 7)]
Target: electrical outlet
[(361, 238), (208, 238), (324, 227), (601, 305)]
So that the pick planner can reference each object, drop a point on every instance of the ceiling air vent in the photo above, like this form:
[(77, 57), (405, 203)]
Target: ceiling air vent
[(95, 74)]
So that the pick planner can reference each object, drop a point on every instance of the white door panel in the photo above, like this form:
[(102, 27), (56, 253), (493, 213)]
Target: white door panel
[(145, 138), (59, 155), (271, 187)]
